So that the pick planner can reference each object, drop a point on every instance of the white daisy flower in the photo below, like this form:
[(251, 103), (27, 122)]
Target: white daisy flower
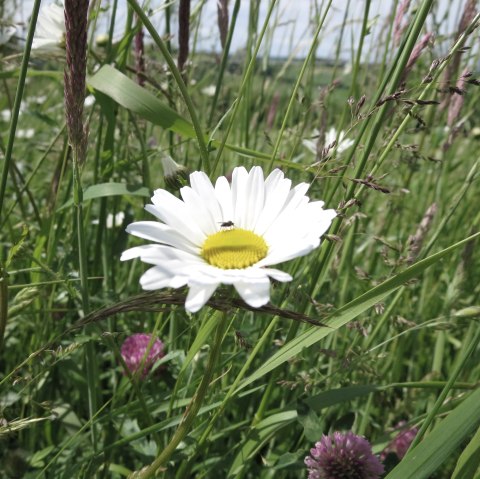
[(330, 136), (6, 33), (50, 31), (228, 234), (342, 143)]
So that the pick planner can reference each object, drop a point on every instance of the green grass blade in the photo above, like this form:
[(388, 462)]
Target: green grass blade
[(469, 461)]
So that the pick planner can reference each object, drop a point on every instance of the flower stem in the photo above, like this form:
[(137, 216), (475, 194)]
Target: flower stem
[(192, 409), (90, 359)]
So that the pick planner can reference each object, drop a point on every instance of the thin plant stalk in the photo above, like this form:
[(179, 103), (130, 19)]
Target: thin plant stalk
[(184, 470), (179, 80), (17, 102), (223, 63), (192, 409), (297, 85), (243, 86), (398, 68)]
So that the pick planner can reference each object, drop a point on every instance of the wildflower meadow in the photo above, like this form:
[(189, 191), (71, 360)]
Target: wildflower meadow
[(239, 239)]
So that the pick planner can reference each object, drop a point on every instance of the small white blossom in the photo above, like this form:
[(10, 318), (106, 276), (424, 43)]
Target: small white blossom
[(25, 133), (112, 221), (6, 33), (208, 90), (89, 101), (342, 142), (5, 115), (49, 36), (330, 136)]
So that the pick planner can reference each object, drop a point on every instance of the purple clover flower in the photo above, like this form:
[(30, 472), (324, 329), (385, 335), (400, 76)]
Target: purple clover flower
[(401, 442), (343, 456), (134, 350)]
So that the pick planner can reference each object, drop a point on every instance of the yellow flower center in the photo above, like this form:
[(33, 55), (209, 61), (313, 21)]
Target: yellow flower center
[(234, 249)]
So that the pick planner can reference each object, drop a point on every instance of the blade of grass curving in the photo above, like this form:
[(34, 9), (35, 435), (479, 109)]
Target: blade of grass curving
[(243, 87), (430, 454), (464, 356), (349, 312), (223, 63), (132, 96), (425, 93)]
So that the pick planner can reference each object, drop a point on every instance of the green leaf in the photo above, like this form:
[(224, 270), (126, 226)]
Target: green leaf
[(128, 94), (338, 396), (469, 461), (37, 460), (312, 426), (103, 190), (436, 448), (349, 312), (260, 434)]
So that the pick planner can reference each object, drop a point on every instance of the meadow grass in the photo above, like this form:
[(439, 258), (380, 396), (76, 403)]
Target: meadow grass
[(244, 392)]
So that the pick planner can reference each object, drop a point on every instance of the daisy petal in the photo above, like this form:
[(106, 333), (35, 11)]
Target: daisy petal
[(158, 278), (206, 220), (202, 185), (255, 196), (175, 214), (223, 194), (254, 293), (278, 275), (160, 233), (198, 295), (239, 196), (137, 251)]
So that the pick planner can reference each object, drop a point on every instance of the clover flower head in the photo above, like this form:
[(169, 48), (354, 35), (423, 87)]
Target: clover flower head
[(139, 349), (343, 456), (230, 233), (401, 442)]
